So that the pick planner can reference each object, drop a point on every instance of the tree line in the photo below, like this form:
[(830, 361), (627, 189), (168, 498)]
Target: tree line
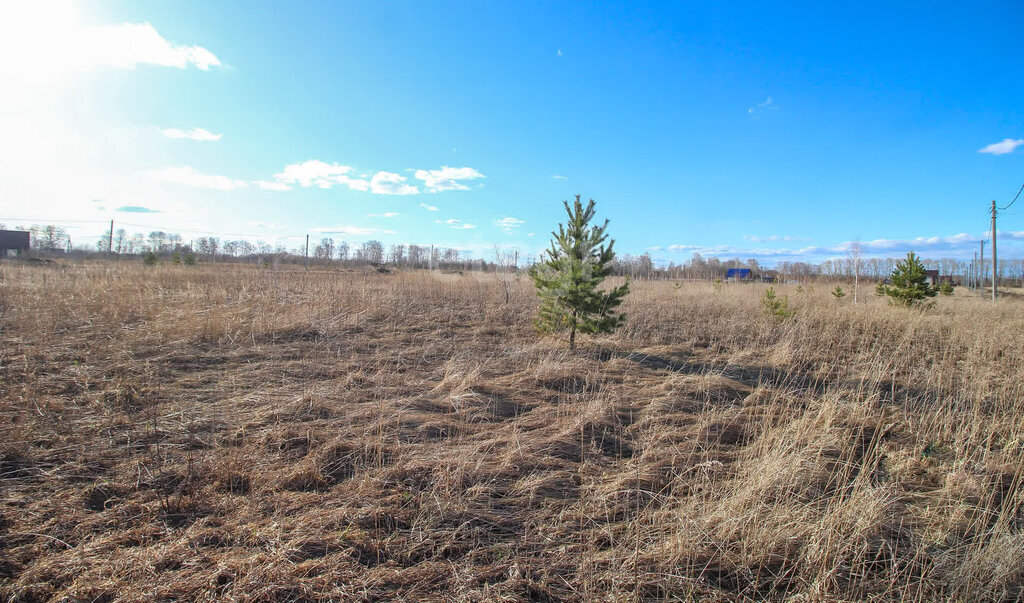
[(52, 239)]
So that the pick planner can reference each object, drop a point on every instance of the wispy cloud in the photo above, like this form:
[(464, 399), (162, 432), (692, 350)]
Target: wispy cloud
[(428, 207), (508, 224), (187, 176), (558, 52), (759, 239), (136, 209), (387, 214), (198, 134), (447, 178), (958, 245), (762, 107), (390, 183), (350, 230), (559, 177), (1002, 148), (453, 223)]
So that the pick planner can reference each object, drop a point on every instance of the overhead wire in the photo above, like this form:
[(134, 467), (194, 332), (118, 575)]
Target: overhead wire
[(1014, 198)]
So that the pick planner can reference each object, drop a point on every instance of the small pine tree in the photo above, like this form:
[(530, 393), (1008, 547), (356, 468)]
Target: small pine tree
[(568, 277), (149, 259), (946, 288), (190, 259), (176, 258), (910, 286), (838, 292), (776, 306)]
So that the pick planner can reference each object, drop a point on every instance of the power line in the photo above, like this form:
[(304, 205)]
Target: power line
[(1014, 198)]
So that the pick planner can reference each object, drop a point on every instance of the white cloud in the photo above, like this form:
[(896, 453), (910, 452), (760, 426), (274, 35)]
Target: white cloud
[(509, 224), (187, 176), (558, 52), (762, 108), (959, 245), (45, 44), (428, 207), (328, 175), (559, 177), (390, 183), (317, 173), (272, 186), (530, 234), (759, 239), (193, 134), (1002, 148), (453, 223), (387, 214), (350, 230), (130, 44), (447, 178)]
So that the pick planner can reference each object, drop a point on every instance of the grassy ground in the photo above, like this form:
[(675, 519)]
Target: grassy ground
[(237, 433)]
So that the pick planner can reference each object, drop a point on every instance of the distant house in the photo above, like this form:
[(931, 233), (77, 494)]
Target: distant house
[(769, 276), (14, 240), (932, 276), (738, 274)]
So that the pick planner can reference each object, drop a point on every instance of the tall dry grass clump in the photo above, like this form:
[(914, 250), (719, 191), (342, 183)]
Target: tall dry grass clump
[(233, 432)]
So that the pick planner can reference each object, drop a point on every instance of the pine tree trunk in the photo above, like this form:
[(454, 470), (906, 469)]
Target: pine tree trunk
[(572, 332)]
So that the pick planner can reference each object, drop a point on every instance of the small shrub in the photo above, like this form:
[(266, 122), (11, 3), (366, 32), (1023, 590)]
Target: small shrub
[(190, 259), (776, 306), (176, 258), (149, 259), (838, 292), (716, 285), (946, 288)]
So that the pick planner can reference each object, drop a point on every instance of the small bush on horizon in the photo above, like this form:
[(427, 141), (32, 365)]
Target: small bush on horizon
[(946, 288), (149, 259), (176, 258), (190, 259)]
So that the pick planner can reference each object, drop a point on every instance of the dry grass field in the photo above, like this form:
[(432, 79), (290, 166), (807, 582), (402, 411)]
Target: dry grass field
[(239, 433)]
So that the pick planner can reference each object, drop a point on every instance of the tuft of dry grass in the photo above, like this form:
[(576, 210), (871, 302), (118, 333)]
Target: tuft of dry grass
[(231, 432)]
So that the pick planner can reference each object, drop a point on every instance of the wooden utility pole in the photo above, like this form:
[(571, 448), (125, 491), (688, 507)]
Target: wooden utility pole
[(981, 270), (307, 251), (974, 271), (110, 238), (994, 260)]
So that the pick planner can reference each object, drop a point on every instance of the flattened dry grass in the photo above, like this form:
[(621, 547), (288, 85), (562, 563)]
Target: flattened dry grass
[(230, 432)]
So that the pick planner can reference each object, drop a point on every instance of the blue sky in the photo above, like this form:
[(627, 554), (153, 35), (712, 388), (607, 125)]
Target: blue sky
[(740, 129)]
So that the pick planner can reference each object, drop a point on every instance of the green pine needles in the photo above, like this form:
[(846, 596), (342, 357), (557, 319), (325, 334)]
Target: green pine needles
[(569, 274), (909, 284)]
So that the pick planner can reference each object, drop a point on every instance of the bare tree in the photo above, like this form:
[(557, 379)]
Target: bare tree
[(324, 250), (372, 252), (343, 251), (854, 254), (397, 254)]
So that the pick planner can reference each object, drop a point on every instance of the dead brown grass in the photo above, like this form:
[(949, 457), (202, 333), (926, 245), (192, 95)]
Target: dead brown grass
[(236, 433)]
